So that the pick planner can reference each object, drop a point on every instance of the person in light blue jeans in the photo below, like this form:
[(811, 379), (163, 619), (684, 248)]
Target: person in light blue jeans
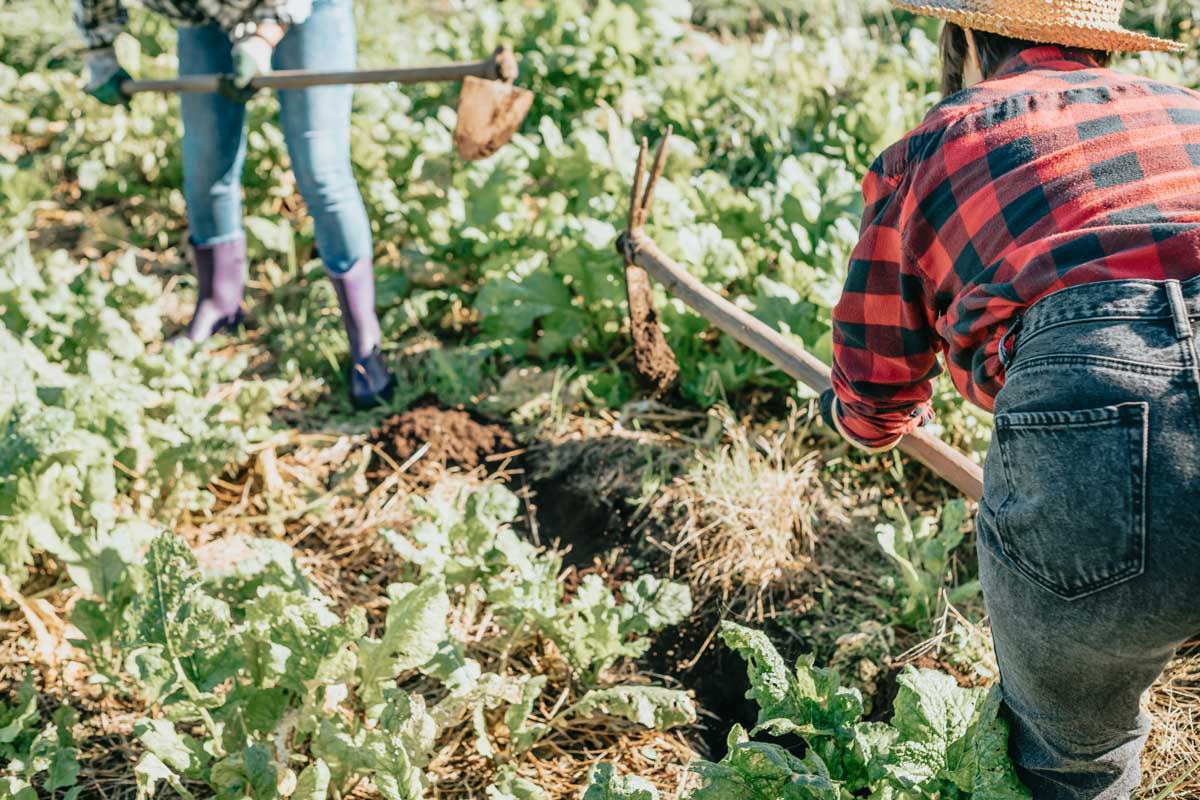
[(316, 127)]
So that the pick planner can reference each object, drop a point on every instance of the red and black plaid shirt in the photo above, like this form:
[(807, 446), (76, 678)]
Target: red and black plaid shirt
[(1052, 173)]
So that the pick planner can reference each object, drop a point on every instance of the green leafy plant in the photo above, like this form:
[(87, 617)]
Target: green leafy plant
[(35, 753), (943, 741), (100, 430), (922, 553), (290, 695), (476, 546)]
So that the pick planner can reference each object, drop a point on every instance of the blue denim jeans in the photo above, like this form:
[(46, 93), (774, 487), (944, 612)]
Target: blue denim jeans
[(316, 126), (1089, 530)]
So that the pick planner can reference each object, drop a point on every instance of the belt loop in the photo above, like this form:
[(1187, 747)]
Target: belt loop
[(1006, 354), (1183, 325)]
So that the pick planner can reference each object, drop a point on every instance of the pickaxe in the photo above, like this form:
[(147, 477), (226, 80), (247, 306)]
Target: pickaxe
[(490, 107), (642, 255)]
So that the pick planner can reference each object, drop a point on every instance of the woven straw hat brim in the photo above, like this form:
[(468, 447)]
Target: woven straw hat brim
[(1096, 36)]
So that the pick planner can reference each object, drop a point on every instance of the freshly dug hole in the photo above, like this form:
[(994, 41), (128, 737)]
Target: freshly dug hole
[(592, 495)]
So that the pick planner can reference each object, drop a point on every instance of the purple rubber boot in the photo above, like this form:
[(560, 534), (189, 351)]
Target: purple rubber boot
[(371, 382), (221, 280)]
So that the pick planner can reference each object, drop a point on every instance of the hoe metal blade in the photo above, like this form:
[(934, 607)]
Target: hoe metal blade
[(490, 107), (653, 358), (489, 113)]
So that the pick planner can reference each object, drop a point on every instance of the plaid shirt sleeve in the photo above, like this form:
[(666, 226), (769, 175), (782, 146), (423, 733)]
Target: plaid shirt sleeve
[(884, 346), (229, 14), (285, 12), (100, 21)]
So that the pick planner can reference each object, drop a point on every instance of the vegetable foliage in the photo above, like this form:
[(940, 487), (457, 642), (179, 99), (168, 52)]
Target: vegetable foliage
[(943, 741)]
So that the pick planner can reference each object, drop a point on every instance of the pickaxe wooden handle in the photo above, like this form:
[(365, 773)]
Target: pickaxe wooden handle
[(501, 66), (640, 250)]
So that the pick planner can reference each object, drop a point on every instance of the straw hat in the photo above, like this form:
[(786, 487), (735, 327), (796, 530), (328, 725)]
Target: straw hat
[(1088, 24)]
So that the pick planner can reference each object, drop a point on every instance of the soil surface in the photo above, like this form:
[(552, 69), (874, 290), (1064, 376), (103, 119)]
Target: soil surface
[(455, 438), (614, 575)]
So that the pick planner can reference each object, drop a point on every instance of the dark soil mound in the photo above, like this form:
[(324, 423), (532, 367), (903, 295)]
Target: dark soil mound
[(455, 438)]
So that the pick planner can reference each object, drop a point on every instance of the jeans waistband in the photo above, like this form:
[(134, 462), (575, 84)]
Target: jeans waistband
[(1177, 301)]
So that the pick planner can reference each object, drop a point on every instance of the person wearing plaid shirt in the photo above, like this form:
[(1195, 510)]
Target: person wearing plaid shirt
[(99, 21), (1053, 173), (1040, 232), (237, 40)]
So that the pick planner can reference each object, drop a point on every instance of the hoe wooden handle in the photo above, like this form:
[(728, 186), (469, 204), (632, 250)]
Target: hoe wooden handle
[(952, 465), (501, 66)]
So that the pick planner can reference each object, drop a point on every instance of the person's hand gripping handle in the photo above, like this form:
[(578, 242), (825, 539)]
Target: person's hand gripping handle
[(253, 45), (104, 76)]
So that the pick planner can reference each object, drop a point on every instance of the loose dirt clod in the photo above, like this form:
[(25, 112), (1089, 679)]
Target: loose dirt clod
[(455, 438)]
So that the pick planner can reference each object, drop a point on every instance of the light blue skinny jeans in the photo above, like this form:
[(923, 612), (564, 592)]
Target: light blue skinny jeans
[(316, 126)]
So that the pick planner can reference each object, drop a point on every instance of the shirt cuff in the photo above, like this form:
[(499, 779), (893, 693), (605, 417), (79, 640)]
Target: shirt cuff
[(102, 35), (872, 449), (287, 13)]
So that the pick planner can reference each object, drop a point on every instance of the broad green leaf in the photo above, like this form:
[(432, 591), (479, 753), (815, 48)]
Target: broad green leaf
[(259, 562), (764, 771), (772, 685), (649, 706), (652, 604), (393, 754), (192, 628), (605, 783), (452, 667), (984, 767), (950, 733), (53, 752), (522, 735), (177, 751), (313, 782), (16, 788), (289, 635), (21, 714), (589, 629), (493, 505), (150, 771), (416, 622), (249, 774)]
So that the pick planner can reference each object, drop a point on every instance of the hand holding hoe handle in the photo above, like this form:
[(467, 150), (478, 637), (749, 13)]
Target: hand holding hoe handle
[(640, 250)]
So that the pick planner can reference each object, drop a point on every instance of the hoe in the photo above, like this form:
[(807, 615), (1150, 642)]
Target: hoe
[(490, 107), (655, 362)]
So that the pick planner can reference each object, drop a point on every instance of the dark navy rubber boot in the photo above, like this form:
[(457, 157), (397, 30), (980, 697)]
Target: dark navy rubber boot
[(371, 382)]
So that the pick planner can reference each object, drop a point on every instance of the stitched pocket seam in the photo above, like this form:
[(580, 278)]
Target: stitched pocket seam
[(1122, 417), (1102, 362)]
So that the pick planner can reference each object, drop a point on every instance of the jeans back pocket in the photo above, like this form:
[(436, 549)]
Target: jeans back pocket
[(1074, 517)]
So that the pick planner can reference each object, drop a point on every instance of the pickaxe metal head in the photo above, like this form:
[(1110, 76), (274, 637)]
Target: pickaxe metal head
[(653, 358), (490, 111)]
